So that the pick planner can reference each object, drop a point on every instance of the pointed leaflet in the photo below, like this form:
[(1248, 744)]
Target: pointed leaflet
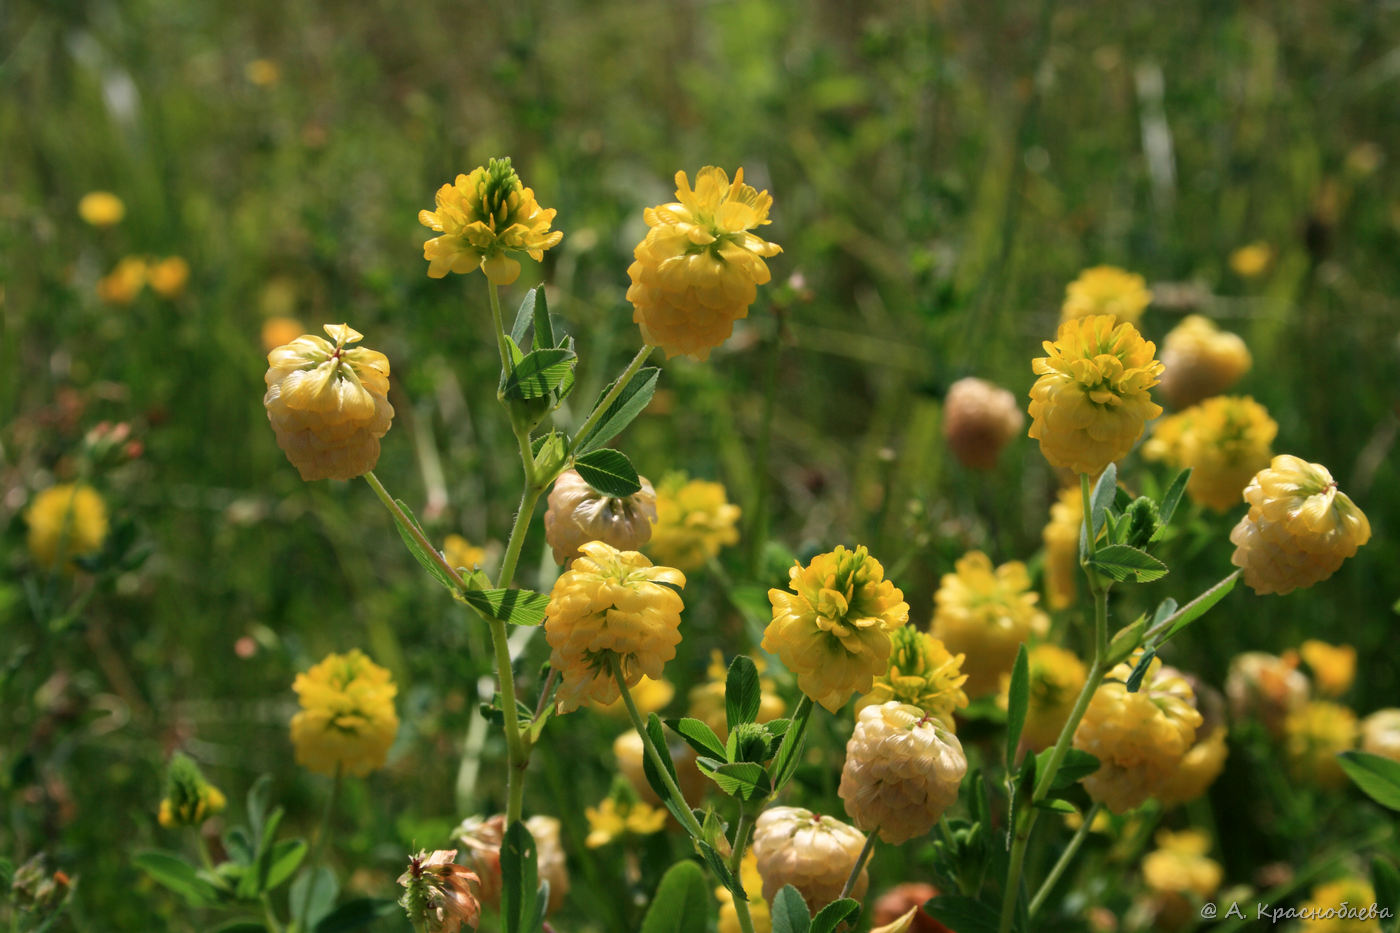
[(789, 912), (1018, 700), (1121, 562), (518, 607), (609, 472), (630, 403), (1379, 777), (519, 879), (537, 374), (742, 695), (1102, 496)]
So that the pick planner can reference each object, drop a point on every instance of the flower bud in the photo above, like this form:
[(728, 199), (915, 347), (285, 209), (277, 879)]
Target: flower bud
[(902, 771), (922, 673), (979, 418), (189, 798), (814, 854), (578, 513)]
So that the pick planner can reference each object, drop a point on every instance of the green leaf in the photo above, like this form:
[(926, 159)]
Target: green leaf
[(1387, 881), (698, 735), (241, 926), (681, 901), (323, 889), (1055, 805), (963, 914), (1171, 499), (1144, 661), (523, 317), (834, 914), (278, 863), (742, 694), (238, 846), (1164, 610), (357, 914), (1126, 640), (516, 606), (173, 872), (1200, 606), (609, 472), (537, 374), (721, 869), (789, 912), (544, 330), (428, 562), (258, 796), (1378, 777), (630, 403), (658, 740), (1122, 562), (1018, 701), (519, 879), (1075, 765), (1102, 496), (745, 779)]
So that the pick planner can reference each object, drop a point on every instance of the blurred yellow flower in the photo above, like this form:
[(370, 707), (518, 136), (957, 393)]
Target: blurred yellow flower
[(1252, 260), (1180, 875), (1380, 733), (979, 419), (101, 208), (1200, 360), (651, 696), (1091, 401), (328, 403), (167, 277), (985, 614), (1224, 441), (459, 552), (699, 268), (347, 720), (1199, 768), (611, 820), (1333, 666), (758, 907), (611, 604), (1299, 529), (706, 701), (834, 629), (124, 282), (65, 521), (694, 520), (263, 72), (1323, 912), (483, 217), (1313, 736), (1056, 677), (922, 673), (1061, 537), (279, 330), (1106, 290)]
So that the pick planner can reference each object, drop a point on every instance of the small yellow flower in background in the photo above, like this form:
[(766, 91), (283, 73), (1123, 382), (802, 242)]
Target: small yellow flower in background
[(758, 908), (263, 72), (347, 721), (279, 330), (694, 520), (124, 282), (1180, 875), (328, 403), (1265, 686), (1106, 290), (481, 838), (979, 419), (699, 268), (483, 217), (438, 895), (985, 614), (630, 753), (1380, 733), (1313, 736), (578, 513), (167, 277), (189, 799), (902, 771), (1199, 768), (706, 701), (611, 603), (1091, 401), (1252, 260), (1200, 360), (811, 852), (461, 553), (834, 629), (1139, 738), (922, 673), (1321, 911), (1061, 537), (1056, 677), (1333, 666), (65, 521), (101, 208), (1299, 529), (618, 815), (1224, 440), (651, 696)]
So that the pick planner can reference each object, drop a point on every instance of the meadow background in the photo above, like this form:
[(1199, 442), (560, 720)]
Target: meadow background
[(939, 171)]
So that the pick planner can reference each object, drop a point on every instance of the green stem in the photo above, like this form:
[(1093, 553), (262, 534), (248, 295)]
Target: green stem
[(411, 528), (517, 751), (529, 498), (1161, 628), (1065, 858), (677, 798), (601, 408), (861, 859), (318, 848), (736, 858), (269, 915)]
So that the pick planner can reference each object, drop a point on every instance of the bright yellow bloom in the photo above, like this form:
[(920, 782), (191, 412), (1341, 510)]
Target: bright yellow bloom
[(347, 720), (1139, 738), (65, 521), (1265, 686), (483, 217), (707, 700), (811, 852), (578, 513), (1056, 677), (922, 673), (650, 696), (1106, 290), (101, 208), (611, 604), (979, 419), (1091, 401), (758, 907), (902, 771), (461, 553), (189, 799), (279, 330), (694, 520), (124, 282), (834, 629), (1333, 666), (1198, 770), (1061, 536), (328, 403), (699, 268), (167, 277), (1299, 529), (1252, 260), (611, 820), (1224, 440), (263, 72), (1313, 735), (985, 614), (1200, 360), (1345, 906), (1380, 733)]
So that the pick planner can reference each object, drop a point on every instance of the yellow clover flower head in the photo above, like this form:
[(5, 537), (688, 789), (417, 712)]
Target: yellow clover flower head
[(461, 553), (101, 208), (811, 852), (759, 912), (1252, 260), (124, 282), (707, 699), (65, 521), (1313, 736), (979, 419), (1198, 770), (578, 513), (985, 614), (1200, 360), (1106, 290), (1056, 677), (1180, 876), (1323, 911), (347, 720), (699, 268), (167, 277), (1333, 666), (189, 799), (694, 520), (483, 217), (1224, 440), (621, 814), (1061, 537), (328, 403), (608, 604), (1380, 733), (1299, 528), (834, 629), (922, 673), (1091, 401), (1139, 738)]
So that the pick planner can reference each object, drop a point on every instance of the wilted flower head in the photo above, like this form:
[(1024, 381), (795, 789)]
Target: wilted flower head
[(1265, 686), (1333, 666), (124, 282), (985, 614), (578, 513), (1106, 290), (483, 217), (328, 403), (707, 700), (65, 521), (1091, 401), (694, 519), (698, 269), (1056, 677), (813, 853), (481, 838), (752, 882), (1061, 536), (1299, 528), (611, 603), (1313, 736), (979, 419), (101, 208), (347, 720), (922, 673), (438, 895), (189, 799), (1224, 441), (1200, 360), (833, 630)]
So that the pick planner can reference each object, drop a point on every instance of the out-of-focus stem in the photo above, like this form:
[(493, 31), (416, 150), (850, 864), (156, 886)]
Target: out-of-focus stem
[(1066, 857), (861, 859), (736, 859)]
